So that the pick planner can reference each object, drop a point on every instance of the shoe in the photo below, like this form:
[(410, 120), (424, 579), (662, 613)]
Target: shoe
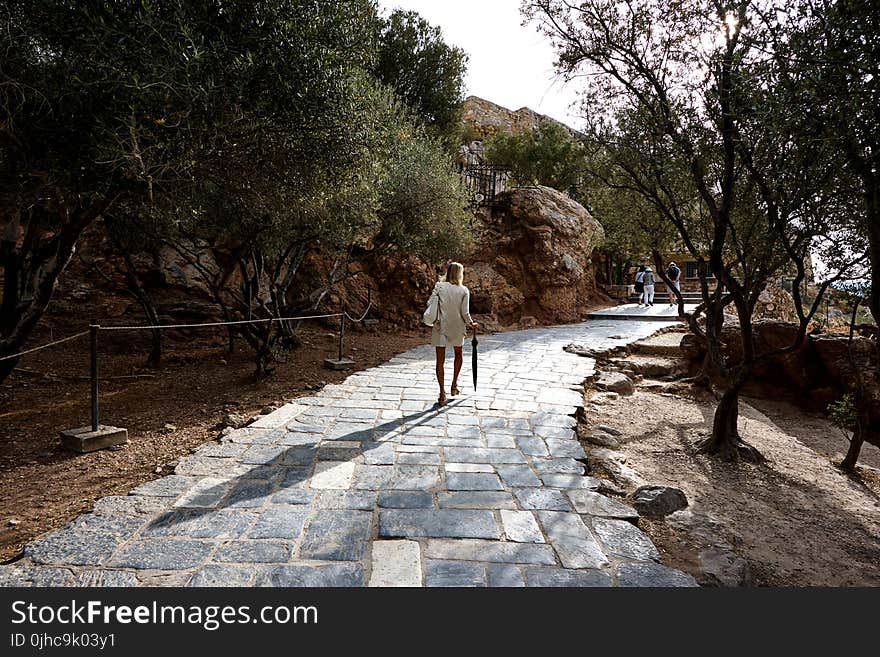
[(441, 400), (454, 391)]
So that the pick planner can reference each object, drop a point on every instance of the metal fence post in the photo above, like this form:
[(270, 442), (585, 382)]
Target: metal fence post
[(93, 334), (341, 331)]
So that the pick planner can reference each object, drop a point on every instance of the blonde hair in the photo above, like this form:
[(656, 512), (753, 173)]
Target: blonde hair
[(455, 273)]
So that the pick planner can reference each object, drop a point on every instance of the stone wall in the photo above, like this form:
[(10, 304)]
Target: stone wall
[(822, 370), (487, 119)]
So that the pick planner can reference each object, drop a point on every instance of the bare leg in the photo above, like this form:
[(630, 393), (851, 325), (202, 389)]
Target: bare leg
[(441, 357), (456, 366)]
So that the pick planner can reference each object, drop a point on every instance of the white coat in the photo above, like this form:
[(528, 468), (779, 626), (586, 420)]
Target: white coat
[(455, 316)]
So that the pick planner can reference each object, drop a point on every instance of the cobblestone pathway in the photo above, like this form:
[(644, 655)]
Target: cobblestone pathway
[(366, 483)]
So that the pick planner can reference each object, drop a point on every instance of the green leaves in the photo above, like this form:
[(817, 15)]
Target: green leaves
[(549, 156), (426, 72), (843, 413)]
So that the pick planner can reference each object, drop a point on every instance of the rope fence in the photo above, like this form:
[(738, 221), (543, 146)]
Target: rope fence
[(94, 329), (361, 318), (45, 346), (235, 323)]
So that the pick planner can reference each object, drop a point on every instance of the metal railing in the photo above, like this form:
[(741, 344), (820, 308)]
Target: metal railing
[(484, 182)]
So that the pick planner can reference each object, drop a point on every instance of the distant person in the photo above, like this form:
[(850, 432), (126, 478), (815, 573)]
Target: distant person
[(640, 284), (648, 281), (674, 275), (453, 319)]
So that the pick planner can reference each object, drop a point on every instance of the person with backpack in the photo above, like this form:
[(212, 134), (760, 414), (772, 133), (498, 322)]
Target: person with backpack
[(674, 275), (640, 285), (648, 281)]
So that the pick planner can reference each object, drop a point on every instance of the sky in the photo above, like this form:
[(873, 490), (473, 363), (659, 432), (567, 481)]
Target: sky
[(509, 64)]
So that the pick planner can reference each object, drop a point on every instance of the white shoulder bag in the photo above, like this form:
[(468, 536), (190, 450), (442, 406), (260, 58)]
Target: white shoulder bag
[(431, 316)]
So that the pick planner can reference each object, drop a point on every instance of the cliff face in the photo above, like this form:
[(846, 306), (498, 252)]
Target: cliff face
[(487, 119)]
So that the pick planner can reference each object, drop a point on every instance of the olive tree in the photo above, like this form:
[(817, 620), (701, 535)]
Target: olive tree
[(681, 97), (426, 72), (152, 103)]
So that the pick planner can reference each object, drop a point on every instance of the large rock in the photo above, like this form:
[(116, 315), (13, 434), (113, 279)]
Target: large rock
[(658, 501), (615, 382), (653, 367), (848, 366), (798, 367), (690, 347), (535, 257), (776, 303), (605, 460), (843, 361), (713, 541), (721, 566), (401, 286)]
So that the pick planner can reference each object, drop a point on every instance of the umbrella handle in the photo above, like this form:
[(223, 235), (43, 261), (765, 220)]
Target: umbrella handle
[(474, 340)]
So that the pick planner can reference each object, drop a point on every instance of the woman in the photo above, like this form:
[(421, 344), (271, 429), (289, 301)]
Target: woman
[(648, 281), (640, 284), (452, 327)]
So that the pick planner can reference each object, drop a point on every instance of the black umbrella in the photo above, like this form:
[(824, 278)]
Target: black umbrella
[(474, 357)]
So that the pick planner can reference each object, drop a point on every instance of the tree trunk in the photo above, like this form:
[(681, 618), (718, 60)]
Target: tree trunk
[(703, 378), (855, 447), (873, 215), (6, 367), (136, 287), (263, 356), (725, 440), (40, 267)]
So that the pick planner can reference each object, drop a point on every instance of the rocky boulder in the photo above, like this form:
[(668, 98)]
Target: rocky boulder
[(535, 257), (690, 347), (776, 303), (848, 365), (716, 559), (615, 382), (401, 287), (798, 367), (603, 440), (721, 566), (658, 501)]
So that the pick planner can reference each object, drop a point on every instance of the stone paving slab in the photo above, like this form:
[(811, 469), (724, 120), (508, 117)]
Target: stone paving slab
[(396, 563), (660, 312), (505, 575), (367, 482)]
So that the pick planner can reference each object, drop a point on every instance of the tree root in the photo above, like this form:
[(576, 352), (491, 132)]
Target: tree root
[(699, 381), (731, 450)]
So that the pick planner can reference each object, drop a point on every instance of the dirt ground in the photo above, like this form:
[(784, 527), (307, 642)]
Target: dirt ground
[(44, 486), (796, 519)]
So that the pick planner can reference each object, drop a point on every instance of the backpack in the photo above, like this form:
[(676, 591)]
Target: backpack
[(673, 272)]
